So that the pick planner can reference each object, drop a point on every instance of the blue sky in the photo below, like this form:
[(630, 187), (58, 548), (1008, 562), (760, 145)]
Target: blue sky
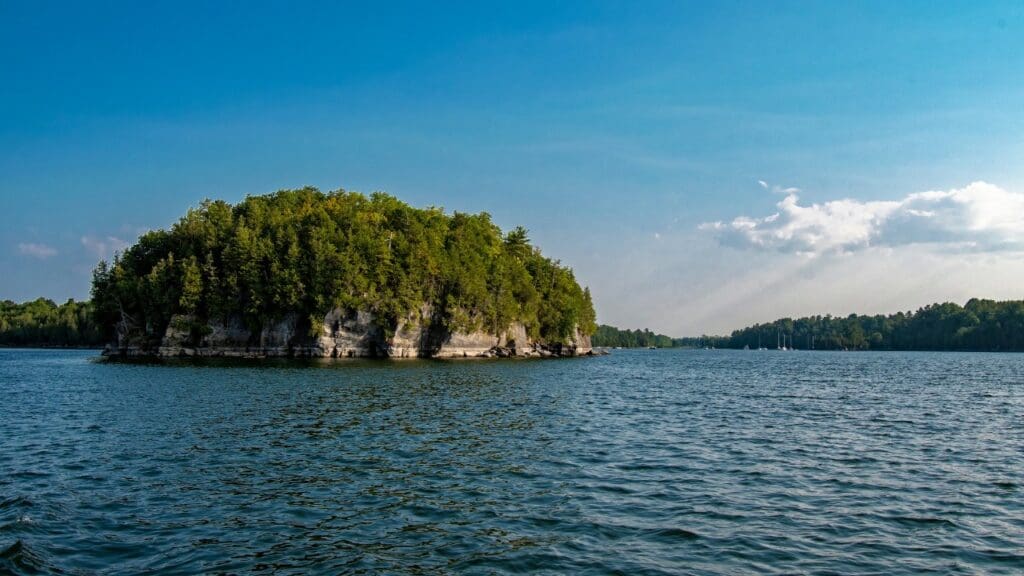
[(648, 145)]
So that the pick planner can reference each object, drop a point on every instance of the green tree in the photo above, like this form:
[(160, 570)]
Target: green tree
[(191, 286)]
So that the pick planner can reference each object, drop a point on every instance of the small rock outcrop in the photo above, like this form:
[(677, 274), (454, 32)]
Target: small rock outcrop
[(341, 334)]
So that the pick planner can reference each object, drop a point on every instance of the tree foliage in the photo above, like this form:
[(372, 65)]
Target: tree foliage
[(43, 323), (978, 325), (304, 251), (612, 337)]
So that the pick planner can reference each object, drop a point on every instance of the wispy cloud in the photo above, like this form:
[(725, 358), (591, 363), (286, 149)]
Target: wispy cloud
[(34, 250), (980, 216), (776, 189), (103, 248)]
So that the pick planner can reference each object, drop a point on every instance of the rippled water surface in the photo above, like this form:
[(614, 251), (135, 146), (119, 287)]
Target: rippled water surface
[(643, 462)]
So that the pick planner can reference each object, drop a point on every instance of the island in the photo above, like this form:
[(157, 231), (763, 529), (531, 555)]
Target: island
[(304, 273)]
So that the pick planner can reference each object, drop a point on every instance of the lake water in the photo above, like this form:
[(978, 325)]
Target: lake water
[(642, 462)]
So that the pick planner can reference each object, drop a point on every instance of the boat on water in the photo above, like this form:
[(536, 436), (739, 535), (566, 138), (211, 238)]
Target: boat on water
[(780, 346)]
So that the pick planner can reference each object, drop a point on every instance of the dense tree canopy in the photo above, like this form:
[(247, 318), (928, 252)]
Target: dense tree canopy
[(44, 323), (610, 336), (307, 252), (980, 325)]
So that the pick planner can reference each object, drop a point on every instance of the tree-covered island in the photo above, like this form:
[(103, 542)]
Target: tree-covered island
[(308, 273)]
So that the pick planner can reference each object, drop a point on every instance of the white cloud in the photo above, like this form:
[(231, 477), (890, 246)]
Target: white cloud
[(776, 189), (41, 251), (103, 248), (980, 216), (687, 285)]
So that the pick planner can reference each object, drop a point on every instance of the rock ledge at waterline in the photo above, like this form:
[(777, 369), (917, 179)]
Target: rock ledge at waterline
[(356, 334)]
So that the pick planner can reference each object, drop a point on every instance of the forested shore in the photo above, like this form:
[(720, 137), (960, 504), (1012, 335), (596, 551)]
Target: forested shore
[(979, 325), (612, 337), (42, 323)]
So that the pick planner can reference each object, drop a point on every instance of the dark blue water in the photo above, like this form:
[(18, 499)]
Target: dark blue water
[(643, 462)]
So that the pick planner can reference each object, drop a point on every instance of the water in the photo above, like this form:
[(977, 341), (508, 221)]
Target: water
[(643, 462)]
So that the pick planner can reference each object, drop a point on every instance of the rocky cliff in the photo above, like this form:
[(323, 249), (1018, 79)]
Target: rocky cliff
[(341, 334)]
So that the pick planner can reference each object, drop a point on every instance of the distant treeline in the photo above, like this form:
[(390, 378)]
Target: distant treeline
[(610, 336), (980, 325), (43, 323)]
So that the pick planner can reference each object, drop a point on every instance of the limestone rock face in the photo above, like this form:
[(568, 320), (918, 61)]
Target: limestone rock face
[(278, 338), (232, 334), (467, 345), (517, 341), (176, 338), (341, 334), (581, 343), (350, 335), (419, 335)]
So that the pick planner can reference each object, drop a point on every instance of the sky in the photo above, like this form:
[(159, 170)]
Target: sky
[(701, 166)]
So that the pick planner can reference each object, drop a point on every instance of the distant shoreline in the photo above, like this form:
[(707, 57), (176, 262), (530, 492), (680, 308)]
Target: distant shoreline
[(974, 351), (48, 347)]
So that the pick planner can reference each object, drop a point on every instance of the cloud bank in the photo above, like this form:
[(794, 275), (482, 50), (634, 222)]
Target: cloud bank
[(34, 250), (978, 217), (103, 248)]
